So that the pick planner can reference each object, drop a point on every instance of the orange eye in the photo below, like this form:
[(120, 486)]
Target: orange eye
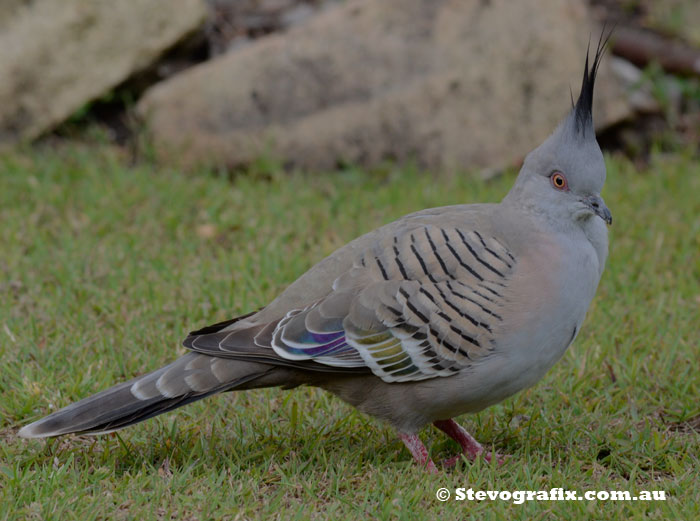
[(559, 181)]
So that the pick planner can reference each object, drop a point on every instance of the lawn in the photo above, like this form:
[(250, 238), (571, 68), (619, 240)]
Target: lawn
[(105, 266)]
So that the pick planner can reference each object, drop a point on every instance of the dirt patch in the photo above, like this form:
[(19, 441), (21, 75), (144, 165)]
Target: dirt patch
[(689, 426)]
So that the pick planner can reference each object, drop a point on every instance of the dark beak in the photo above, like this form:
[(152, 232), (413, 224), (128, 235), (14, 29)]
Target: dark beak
[(596, 203)]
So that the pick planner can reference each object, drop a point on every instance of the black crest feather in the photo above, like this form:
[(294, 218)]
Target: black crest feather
[(583, 110)]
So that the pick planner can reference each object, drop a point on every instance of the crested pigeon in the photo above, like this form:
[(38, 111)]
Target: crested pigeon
[(443, 312)]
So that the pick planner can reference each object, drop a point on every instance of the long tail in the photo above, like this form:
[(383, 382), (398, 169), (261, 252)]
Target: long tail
[(188, 379)]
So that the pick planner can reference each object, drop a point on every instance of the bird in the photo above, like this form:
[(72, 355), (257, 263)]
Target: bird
[(443, 312)]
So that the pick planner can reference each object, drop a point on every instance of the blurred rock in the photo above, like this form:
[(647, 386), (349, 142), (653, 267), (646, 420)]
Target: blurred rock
[(57, 56), (442, 83), (7, 10), (639, 92), (297, 15)]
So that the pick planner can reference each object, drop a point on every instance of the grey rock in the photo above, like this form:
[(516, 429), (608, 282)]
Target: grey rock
[(440, 83), (57, 56), (640, 95)]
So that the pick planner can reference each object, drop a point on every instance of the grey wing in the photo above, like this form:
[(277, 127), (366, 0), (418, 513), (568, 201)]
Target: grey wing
[(422, 302)]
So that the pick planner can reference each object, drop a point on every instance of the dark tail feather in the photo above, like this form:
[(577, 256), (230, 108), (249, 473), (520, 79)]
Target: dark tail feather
[(186, 380)]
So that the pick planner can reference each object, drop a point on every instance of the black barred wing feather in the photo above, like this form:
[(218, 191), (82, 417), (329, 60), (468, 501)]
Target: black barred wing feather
[(421, 304)]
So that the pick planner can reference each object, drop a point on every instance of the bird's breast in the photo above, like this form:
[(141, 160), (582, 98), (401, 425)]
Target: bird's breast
[(548, 299)]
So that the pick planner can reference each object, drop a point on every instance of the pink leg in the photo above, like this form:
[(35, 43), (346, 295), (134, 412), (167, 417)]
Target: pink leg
[(418, 451), (470, 447)]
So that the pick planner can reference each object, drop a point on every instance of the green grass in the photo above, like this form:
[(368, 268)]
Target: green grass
[(105, 267)]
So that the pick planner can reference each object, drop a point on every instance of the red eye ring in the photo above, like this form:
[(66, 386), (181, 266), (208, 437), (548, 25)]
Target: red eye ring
[(559, 181)]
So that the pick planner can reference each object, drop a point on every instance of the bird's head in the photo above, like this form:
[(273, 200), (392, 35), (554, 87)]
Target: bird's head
[(563, 177)]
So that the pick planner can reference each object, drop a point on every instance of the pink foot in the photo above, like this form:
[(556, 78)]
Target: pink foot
[(418, 451), (470, 447)]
